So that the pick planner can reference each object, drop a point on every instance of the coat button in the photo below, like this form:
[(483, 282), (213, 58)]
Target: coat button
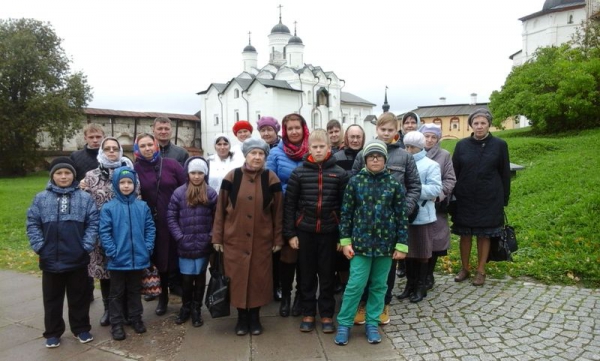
[(249, 216), (248, 234), (251, 180), (250, 197)]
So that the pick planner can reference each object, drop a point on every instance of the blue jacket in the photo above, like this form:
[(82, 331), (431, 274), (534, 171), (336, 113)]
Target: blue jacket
[(281, 164), (431, 187), (127, 229), (62, 224)]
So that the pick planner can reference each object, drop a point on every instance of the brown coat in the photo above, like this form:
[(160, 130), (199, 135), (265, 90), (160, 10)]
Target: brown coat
[(248, 231)]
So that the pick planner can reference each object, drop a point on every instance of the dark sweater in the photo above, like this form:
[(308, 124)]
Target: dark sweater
[(85, 160)]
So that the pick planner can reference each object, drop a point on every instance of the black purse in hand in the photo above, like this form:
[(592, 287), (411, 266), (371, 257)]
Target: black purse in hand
[(502, 248), (217, 294)]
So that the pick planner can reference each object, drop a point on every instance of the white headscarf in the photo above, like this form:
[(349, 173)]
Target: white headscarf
[(104, 161)]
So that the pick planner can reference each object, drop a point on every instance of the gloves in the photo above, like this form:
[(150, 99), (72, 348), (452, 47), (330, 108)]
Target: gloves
[(276, 249), (218, 247)]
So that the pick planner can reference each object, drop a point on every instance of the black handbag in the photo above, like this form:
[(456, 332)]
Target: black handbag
[(502, 248), (217, 294)]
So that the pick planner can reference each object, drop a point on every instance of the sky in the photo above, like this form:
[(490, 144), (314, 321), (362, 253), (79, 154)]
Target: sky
[(156, 55)]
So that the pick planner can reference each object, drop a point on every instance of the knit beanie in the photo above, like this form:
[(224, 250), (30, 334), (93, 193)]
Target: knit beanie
[(433, 129), (124, 172), (254, 143), (481, 112), (197, 165), (375, 146), (242, 124), (414, 138), (62, 162), (268, 122)]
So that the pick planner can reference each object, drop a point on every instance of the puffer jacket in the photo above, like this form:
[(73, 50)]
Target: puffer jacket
[(402, 166), (314, 197), (281, 164), (374, 219), (62, 224), (127, 230), (431, 187), (85, 160), (191, 227)]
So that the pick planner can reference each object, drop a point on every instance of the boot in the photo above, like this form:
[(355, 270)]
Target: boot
[(284, 307), (255, 326), (105, 290), (184, 313), (297, 306), (241, 328), (105, 320), (117, 332), (187, 284), (411, 280), (430, 281), (163, 298), (197, 320), (286, 273), (199, 286), (421, 290)]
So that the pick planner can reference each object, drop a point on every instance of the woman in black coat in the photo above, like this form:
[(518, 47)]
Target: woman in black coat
[(482, 190)]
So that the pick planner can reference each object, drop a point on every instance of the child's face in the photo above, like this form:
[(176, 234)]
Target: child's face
[(334, 135), (63, 177), (126, 186), (375, 162), (319, 149), (196, 178), (412, 149), (386, 132)]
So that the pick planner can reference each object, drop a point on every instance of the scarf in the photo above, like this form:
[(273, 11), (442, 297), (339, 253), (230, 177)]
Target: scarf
[(136, 149), (103, 160), (293, 151)]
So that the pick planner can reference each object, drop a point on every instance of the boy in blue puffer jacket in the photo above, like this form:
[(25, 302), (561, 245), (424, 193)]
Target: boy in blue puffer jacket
[(62, 224), (127, 234)]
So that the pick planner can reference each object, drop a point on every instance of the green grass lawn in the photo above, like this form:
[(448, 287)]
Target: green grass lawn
[(554, 206)]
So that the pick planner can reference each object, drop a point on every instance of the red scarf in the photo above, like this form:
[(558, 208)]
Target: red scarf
[(293, 151)]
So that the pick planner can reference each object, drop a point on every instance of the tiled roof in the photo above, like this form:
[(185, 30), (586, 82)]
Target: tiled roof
[(281, 84), (129, 114), (349, 98)]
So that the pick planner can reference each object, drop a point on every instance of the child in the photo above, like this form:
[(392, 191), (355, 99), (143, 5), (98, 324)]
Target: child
[(311, 212), (62, 224), (190, 218), (373, 227), (127, 234)]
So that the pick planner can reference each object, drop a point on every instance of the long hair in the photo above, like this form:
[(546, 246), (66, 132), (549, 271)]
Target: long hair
[(196, 195)]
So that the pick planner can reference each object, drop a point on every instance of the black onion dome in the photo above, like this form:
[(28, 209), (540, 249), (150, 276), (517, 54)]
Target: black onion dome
[(280, 28), (249, 49), (295, 40)]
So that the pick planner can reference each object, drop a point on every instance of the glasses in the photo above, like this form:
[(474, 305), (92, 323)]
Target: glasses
[(375, 156), (111, 149)]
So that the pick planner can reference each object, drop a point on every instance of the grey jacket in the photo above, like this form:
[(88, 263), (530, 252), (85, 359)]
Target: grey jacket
[(174, 152)]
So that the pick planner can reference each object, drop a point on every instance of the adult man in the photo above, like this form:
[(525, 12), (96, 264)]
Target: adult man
[(163, 132), (334, 131), (86, 159), (354, 140)]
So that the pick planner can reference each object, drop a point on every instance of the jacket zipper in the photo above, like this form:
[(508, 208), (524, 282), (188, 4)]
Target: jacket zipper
[(57, 231), (131, 235), (320, 198)]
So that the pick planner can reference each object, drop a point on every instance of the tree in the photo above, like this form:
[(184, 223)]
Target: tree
[(559, 89), (37, 92)]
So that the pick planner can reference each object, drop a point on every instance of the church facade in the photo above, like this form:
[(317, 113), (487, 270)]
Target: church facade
[(284, 85)]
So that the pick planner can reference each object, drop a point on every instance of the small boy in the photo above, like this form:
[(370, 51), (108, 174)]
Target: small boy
[(373, 230), (311, 216), (127, 234), (62, 224)]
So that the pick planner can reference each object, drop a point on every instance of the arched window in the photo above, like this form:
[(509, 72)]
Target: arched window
[(236, 93), (454, 124), (437, 121)]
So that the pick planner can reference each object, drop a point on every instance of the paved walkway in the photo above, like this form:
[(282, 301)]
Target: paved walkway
[(504, 320)]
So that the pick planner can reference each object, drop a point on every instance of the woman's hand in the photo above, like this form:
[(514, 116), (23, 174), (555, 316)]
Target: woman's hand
[(218, 247), (276, 249), (294, 243)]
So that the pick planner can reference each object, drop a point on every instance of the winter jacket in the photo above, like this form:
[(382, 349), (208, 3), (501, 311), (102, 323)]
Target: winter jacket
[(482, 190), (431, 186), (314, 197), (127, 229), (62, 224), (402, 166), (174, 152), (218, 169), (281, 164), (191, 227), (444, 159), (85, 160), (345, 159), (374, 219)]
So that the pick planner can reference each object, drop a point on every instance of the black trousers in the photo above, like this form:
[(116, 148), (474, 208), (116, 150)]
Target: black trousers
[(316, 258), (54, 286), (122, 282)]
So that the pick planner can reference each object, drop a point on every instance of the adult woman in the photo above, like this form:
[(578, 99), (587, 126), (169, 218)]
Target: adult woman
[(440, 231), (242, 130), (98, 183), (410, 122), (420, 240), (247, 229), (159, 177), (268, 127), (221, 162), (282, 160), (482, 190)]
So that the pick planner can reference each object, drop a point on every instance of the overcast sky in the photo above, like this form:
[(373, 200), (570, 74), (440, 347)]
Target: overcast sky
[(156, 55)]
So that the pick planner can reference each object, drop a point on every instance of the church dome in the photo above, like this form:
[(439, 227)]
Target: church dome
[(249, 49), (550, 4), (280, 28), (295, 40)]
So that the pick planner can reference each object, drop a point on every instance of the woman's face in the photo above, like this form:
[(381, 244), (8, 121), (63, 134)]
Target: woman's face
[(147, 147), (222, 148), (409, 125), (243, 134), (111, 150), (430, 140), (196, 178), (255, 159), (267, 133), (294, 131), (480, 126)]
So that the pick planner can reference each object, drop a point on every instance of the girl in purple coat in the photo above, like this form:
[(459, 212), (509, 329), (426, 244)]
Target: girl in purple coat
[(190, 218)]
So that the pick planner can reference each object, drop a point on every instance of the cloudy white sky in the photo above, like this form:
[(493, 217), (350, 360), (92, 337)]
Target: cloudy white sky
[(156, 55)]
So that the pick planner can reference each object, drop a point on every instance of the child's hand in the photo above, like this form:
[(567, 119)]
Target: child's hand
[(294, 243), (399, 255), (339, 248), (348, 251)]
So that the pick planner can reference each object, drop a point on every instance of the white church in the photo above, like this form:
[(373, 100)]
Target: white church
[(284, 85)]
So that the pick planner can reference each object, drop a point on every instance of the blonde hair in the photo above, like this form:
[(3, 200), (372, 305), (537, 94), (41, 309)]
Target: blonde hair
[(92, 127), (385, 118), (318, 135)]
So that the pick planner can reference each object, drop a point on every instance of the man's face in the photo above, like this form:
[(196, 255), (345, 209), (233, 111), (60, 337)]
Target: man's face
[(334, 135), (162, 132), (93, 139)]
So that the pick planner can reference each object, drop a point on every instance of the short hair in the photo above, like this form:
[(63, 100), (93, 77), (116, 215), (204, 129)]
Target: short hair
[(161, 120), (92, 127), (318, 135), (385, 118), (334, 123)]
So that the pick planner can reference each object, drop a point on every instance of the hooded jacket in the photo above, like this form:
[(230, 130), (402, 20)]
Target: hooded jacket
[(127, 229)]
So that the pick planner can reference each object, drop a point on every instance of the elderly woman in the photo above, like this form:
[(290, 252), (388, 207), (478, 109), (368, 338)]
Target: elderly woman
[(440, 230), (482, 168), (268, 127), (221, 162), (248, 229), (98, 183), (159, 177)]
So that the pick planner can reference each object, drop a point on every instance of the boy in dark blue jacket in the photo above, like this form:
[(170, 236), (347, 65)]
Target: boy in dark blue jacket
[(62, 224), (127, 234)]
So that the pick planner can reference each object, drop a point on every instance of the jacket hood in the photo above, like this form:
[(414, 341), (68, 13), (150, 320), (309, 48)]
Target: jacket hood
[(120, 173)]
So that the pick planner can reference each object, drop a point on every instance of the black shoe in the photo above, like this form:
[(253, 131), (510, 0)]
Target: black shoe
[(419, 294), (163, 301), (297, 307), (118, 333), (104, 320), (149, 298), (429, 282), (184, 315), (407, 293), (284, 308), (255, 326), (138, 326), (241, 327), (197, 320)]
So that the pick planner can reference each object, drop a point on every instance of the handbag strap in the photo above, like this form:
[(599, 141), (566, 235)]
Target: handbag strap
[(220, 263), (505, 217)]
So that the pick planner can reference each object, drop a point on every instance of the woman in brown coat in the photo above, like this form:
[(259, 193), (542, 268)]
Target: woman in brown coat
[(247, 229)]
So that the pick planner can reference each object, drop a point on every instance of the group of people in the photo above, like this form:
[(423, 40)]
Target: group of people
[(325, 209)]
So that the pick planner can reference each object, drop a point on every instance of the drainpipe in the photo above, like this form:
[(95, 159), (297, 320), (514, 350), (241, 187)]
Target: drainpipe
[(112, 127), (222, 120), (315, 96), (341, 113), (247, 106), (301, 94)]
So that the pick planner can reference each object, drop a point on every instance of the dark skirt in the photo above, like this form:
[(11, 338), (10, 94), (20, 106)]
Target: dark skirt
[(420, 242), (477, 231)]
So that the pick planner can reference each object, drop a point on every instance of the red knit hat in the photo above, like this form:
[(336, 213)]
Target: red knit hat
[(242, 124)]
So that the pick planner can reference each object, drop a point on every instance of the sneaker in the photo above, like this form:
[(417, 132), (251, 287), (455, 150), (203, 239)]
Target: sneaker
[(342, 336), (372, 334), (53, 342), (384, 318), (327, 325), (361, 314), (307, 324), (84, 337)]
